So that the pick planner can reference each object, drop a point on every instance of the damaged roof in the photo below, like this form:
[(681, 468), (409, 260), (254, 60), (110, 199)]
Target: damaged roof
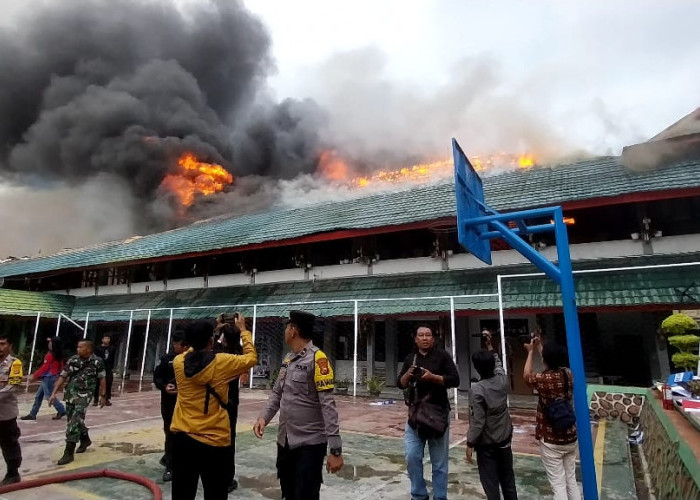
[(602, 178)]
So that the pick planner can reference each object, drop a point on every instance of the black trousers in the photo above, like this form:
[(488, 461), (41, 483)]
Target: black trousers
[(496, 469), (167, 408), (193, 460), (109, 379), (233, 420), (300, 471), (9, 443)]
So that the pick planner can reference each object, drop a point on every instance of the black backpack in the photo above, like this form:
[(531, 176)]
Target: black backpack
[(559, 413)]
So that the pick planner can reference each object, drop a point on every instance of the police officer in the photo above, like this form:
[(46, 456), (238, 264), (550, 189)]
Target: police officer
[(82, 372), (10, 378), (308, 423)]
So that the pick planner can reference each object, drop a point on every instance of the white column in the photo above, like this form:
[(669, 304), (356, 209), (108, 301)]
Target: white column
[(58, 324), (145, 348), (170, 331), (454, 347), (31, 356), (126, 354), (255, 321), (354, 355), (87, 322), (502, 324)]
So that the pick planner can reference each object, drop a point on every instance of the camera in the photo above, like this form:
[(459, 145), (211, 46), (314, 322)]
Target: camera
[(417, 372)]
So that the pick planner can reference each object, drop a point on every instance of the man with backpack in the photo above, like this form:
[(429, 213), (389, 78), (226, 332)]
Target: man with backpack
[(556, 422)]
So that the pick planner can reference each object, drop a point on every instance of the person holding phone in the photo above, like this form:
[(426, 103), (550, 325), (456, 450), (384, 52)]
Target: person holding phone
[(490, 427), (557, 446), (430, 371)]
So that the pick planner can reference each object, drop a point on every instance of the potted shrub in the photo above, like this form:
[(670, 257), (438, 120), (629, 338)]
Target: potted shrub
[(374, 385), (678, 327)]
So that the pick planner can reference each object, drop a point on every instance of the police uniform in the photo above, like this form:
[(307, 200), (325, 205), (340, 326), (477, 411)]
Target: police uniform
[(308, 423), (83, 375), (10, 377)]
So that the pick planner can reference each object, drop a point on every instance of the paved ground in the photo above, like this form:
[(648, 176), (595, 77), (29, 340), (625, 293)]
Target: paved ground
[(128, 436)]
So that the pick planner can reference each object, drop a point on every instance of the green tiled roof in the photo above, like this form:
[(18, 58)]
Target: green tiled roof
[(609, 289), (19, 303), (595, 178)]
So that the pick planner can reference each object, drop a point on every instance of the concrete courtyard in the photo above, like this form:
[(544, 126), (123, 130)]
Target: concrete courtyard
[(128, 436)]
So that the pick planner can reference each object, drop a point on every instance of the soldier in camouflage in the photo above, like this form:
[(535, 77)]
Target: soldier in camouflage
[(82, 372)]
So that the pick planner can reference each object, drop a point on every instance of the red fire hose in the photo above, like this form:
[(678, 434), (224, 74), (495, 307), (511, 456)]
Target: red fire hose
[(76, 476)]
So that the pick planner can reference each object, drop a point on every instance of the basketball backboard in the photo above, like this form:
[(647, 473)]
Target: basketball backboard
[(470, 204)]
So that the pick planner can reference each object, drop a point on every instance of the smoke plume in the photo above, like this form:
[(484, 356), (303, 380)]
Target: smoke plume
[(98, 99), (102, 89)]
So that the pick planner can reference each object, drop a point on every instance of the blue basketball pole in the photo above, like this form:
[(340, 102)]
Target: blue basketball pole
[(477, 223)]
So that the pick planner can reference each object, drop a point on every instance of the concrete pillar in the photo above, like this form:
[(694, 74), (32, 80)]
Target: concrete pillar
[(391, 330)]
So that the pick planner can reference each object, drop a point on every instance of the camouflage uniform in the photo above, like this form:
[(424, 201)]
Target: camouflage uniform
[(83, 376)]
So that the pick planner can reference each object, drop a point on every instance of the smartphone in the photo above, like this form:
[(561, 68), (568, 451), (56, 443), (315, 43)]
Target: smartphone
[(525, 339), (229, 318)]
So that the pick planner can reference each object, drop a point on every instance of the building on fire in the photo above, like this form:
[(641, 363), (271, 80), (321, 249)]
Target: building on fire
[(392, 261)]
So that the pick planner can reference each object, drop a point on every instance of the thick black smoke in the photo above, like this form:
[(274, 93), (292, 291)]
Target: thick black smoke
[(122, 87)]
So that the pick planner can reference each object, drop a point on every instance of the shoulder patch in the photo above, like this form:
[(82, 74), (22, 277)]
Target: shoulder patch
[(323, 372), (16, 372)]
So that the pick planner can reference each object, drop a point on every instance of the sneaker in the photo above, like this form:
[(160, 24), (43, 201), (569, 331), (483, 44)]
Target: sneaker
[(108, 403), (10, 479), (28, 417), (95, 403), (167, 475), (58, 416)]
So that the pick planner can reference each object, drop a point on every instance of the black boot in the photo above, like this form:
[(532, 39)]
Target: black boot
[(84, 443), (67, 454), (11, 477)]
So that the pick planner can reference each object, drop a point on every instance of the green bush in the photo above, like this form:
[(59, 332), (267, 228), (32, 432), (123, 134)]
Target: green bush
[(374, 385), (678, 324), (685, 360), (684, 342)]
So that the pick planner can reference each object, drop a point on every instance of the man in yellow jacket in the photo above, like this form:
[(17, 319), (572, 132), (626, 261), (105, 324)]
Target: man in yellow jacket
[(202, 433)]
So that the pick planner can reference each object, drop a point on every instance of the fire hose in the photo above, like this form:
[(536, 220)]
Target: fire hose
[(77, 476)]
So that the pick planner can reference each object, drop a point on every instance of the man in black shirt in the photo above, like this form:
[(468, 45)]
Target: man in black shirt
[(164, 380), (108, 354), (430, 371)]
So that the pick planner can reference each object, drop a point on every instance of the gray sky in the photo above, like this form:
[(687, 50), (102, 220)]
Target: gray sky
[(607, 73)]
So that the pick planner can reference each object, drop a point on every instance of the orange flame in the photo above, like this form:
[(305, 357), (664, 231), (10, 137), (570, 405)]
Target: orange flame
[(196, 177), (526, 161), (332, 167), (419, 172)]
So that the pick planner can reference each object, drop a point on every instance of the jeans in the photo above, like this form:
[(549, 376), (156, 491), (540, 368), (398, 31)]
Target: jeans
[(44, 392), (559, 462), (439, 449)]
